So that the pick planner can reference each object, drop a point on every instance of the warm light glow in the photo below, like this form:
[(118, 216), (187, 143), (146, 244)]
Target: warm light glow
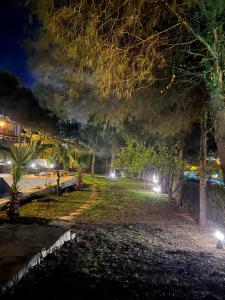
[(157, 189), (219, 235), (2, 123), (218, 161)]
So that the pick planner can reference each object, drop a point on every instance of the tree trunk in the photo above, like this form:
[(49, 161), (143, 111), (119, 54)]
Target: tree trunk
[(202, 173), (180, 178), (58, 182), (170, 190), (13, 207), (220, 137), (218, 106), (93, 165)]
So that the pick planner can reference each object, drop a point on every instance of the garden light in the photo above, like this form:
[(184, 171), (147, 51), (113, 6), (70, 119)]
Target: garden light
[(157, 189), (113, 174), (220, 239), (33, 165), (154, 179)]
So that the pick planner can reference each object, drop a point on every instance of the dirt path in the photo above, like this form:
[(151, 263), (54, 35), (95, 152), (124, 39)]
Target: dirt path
[(177, 221), (85, 206)]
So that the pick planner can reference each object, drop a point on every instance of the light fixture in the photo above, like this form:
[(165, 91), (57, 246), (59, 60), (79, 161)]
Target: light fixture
[(9, 162), (2, 123), (154, 179), (52, 166), (33, 165), (220, 239), (157, 189), (113, 174)]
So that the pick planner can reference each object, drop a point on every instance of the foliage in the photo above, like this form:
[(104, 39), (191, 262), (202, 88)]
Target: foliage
[(20, 104), (137, 157), (104, 42), (79, 159)]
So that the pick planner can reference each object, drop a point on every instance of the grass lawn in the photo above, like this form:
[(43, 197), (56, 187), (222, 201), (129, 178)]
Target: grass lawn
[(102, 198)]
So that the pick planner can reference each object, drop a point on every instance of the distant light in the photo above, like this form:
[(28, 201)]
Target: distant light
[(52, 166), (215, 175), (33, 165), (219, 235), (113, 174), (218, 161), (157, 189), (2, 123), (9, 162)]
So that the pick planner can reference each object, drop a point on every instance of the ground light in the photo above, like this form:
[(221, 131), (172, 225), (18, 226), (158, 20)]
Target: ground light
[(113, 174), (157, 189), (220, 239), (154, 179), (33, 165)]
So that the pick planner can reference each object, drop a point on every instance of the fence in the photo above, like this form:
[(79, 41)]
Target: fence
[(215, 201)]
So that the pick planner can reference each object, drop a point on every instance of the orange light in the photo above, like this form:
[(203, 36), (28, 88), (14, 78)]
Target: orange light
[(2, 123), (218, 161)]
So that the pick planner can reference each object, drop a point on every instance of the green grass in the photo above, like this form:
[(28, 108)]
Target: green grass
[(106, 197)]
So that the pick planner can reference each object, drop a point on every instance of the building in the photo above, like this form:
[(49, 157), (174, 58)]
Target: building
[(9, 130)]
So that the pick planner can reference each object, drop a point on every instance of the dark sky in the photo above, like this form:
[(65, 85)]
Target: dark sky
[(14, 27)]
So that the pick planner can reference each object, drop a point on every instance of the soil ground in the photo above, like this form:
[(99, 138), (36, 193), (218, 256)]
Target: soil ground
[(130, 244)]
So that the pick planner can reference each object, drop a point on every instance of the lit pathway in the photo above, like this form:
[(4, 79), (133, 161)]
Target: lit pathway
[(83, 207)]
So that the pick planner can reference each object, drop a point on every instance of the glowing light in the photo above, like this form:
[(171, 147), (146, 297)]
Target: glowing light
[(113, 174), (2, 123), (33, 165), (157, 189), (52, 166), (219, 235), (218, 161), (154, 179), (9, 162), (215, 176)]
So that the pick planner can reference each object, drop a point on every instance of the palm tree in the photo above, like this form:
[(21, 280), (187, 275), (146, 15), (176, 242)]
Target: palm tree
[(20, 155)]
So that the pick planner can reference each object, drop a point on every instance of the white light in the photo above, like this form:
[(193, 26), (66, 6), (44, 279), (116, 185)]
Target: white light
[(219, 235), (52, 166), (157, 189), (9, 162), (113, 174), (154, 179), (33, 165)]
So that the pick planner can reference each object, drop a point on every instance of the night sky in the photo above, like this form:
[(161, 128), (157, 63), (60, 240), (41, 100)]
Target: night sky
[(14, 29)]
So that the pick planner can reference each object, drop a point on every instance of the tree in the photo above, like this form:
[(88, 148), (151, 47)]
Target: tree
[(204, 21), (103, 43), (22, 106)]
